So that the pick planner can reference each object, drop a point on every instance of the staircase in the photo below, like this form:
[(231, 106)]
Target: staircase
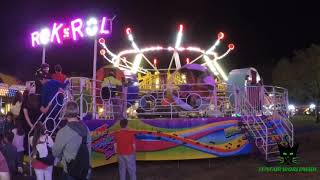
[(266, 131), (54, 115)]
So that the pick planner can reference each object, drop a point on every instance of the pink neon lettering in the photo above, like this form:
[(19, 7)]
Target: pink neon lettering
[(76, 26), (66, 33), (55, 32), (103, 24), (35, 38)]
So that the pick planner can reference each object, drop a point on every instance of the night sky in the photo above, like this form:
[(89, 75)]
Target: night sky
[(263, 31)]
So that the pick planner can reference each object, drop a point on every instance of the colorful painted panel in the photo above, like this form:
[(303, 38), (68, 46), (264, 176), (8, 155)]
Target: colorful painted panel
[(172, 139)]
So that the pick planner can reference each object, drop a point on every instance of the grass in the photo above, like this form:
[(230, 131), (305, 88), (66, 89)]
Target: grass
[(304, 120)]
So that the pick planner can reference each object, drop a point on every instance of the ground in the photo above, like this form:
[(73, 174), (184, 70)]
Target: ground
[(242, 167)]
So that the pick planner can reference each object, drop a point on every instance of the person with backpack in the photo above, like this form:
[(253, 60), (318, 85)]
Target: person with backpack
[(42, 158), (73, 145)]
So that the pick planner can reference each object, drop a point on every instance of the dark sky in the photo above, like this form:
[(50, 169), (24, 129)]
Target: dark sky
[(263, 31)]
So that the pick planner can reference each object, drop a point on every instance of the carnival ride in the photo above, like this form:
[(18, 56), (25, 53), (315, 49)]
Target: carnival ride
[(187, 110)]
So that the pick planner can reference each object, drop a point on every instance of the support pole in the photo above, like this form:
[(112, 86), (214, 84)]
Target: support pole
[(94, 108), (43, 54)]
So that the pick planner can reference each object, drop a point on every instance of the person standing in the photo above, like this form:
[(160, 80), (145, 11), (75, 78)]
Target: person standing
[(125, 147), (18, 140), (42, 72), (42, 159), (58, 75), (9, 151), (73, 145), (29, 113), (111, 83), (4, 170)]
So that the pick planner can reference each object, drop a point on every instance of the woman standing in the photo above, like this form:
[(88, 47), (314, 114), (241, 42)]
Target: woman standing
[(29, 113)]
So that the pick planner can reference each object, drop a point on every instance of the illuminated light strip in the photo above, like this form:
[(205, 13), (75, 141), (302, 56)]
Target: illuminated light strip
[(224, 55), (108, 51), (179, 37), (136, 63), (209, 64), (134, 45), (230, 48), (159, 48), (221, 72), (212, 48)]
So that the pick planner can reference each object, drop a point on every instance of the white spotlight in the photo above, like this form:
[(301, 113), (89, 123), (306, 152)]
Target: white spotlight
[(92, 27), (45, 36)]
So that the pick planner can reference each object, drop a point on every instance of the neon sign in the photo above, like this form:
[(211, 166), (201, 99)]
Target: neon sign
[(76, 29)]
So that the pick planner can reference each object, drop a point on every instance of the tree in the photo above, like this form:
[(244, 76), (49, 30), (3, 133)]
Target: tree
[(301, 76)]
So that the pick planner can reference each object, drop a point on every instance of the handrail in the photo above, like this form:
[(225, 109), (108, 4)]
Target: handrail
[(55, 97)]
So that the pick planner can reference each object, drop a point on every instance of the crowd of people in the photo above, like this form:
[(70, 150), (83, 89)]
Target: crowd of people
[(70, 147)]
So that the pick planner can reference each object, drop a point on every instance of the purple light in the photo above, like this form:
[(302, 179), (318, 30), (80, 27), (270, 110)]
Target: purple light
[(55, 32), (76, 26), (76, 29), (35, 38), (103, 26)]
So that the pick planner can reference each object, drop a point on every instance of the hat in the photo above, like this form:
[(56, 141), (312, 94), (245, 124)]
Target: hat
[(44, 65)]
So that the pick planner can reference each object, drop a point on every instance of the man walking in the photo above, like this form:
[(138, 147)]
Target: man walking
[(125, 147)]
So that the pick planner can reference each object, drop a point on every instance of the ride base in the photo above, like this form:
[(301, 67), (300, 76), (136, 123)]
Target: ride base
[(171, 139)]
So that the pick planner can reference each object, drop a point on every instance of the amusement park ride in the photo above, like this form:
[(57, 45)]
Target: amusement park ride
[(188, 110)]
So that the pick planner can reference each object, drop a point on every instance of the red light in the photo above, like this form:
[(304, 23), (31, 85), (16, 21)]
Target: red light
[(180, 27), (231, 46), (220, 35), (102, 52), (128, 31), (155, 61), (188, 60), (102, 41)]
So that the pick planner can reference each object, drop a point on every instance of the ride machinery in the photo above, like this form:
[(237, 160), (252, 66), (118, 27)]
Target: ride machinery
[(180, 103)]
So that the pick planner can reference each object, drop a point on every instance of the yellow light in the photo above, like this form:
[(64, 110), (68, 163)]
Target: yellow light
[(100, 110), (3, 92)]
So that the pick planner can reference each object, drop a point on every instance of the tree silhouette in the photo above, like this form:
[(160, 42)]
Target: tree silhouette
[(301, 76)]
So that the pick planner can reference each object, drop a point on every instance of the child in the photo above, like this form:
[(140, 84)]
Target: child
[(41, 143), (18, 139), (9, 151)]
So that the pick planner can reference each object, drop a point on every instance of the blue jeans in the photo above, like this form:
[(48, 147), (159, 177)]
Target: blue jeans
[(127, 162)]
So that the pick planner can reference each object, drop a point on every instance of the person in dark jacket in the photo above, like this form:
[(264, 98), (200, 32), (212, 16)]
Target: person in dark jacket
[(9, 151), (42, 72)]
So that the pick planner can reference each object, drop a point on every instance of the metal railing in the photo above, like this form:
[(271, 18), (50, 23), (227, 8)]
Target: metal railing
[(56, 107), (254, 124)]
